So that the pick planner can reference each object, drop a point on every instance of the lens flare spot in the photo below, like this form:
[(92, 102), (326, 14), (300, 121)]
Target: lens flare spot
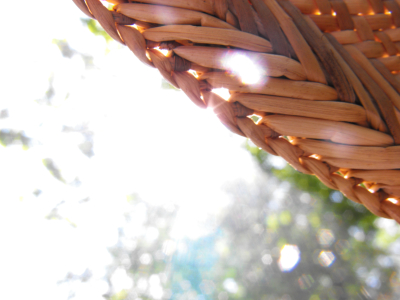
[(290, 257), (305, 281), (326, 258), (243, 67), (325, 237)]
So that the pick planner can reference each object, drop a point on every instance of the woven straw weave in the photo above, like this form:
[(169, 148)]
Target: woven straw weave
[(327, 97)]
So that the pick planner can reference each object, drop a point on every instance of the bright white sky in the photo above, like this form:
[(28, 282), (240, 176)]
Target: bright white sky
[(148, 141)]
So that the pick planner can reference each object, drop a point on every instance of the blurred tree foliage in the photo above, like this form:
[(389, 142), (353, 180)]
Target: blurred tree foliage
[(10, 136), (343, 254)]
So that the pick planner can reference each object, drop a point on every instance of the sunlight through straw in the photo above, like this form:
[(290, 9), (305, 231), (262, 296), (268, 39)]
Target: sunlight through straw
[(222, 92), (243, 67), (163, 51)]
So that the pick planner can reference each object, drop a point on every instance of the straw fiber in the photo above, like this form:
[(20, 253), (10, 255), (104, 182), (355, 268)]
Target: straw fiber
[(324, 78)]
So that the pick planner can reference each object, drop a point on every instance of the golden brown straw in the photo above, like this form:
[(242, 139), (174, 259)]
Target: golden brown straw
[(324, 78)]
